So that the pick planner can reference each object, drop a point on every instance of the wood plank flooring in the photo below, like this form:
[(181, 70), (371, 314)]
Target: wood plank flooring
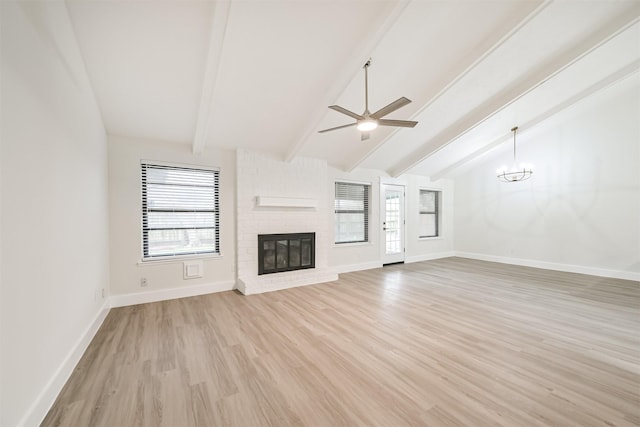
[(451, 342)]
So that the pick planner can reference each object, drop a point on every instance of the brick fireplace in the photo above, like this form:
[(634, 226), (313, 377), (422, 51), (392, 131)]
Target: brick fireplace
[(281, 198)]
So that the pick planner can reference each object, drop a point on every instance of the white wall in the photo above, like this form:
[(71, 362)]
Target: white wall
[(164, 278), (580, 211), (360, 256), (54, 243)]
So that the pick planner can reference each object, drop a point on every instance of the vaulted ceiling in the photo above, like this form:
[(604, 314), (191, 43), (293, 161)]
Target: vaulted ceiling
[(260, 74)]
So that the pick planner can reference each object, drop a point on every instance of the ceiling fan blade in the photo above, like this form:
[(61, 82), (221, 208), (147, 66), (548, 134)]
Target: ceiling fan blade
[(337, 127), (398, 103), (339, 109), (365, 135), (399, 123)]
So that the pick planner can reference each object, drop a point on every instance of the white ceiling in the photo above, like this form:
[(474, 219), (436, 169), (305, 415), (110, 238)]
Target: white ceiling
[(260, 74)]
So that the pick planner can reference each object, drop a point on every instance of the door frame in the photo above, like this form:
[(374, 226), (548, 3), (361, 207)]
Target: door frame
[(400, 257)]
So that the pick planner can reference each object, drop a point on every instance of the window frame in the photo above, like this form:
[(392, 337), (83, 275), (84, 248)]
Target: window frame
[(436, 211), (365, 211), (145, 257)]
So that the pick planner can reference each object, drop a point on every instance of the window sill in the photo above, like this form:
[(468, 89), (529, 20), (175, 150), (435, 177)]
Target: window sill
[(348, 245), (429, 238), (175, 259)]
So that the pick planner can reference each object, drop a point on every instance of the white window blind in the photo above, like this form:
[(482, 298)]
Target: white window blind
[(180, 211), (352, 212), (429, 212)]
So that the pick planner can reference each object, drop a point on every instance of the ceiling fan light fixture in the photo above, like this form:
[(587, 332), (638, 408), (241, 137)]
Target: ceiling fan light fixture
[(367, 125), (366, 122)]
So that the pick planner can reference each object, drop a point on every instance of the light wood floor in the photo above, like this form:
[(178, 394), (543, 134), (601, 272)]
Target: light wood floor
[(451, 342)]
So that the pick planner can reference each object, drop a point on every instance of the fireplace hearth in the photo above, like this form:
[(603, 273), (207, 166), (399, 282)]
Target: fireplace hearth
[(286, 252)]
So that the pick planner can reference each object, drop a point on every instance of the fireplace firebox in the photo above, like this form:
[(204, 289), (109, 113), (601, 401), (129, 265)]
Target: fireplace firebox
[(286, 252)]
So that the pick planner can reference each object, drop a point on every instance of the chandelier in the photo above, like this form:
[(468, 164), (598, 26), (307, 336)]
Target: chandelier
[(516, 173)]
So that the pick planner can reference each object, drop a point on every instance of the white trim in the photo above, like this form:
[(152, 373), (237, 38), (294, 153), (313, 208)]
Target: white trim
[(144, 162), (429, 257), (368, 212), (349, 244), (178, 258), (357, 267), (171, 293), (394, 258), (38, 410), (569, 268), (179, 165), (349, 181), (422, 187), (438, 213)]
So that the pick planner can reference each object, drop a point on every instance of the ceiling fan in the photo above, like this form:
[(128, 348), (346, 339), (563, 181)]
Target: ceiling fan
[(366, 122)]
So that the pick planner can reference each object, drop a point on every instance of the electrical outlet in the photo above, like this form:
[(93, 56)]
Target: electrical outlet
[(102, 293), (143, 282)]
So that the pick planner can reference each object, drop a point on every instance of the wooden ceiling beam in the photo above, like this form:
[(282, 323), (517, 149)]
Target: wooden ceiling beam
[(219, 22)]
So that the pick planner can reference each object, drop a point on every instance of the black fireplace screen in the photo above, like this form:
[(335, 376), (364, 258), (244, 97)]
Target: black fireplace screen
[(286, 252)]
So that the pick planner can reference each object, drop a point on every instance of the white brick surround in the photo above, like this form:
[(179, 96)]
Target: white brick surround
[(259, 175)]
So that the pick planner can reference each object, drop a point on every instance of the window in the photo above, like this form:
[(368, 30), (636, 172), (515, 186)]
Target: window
[(180, 214), (352, 212), (429, 213)]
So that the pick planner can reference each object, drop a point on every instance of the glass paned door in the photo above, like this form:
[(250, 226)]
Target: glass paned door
[(393, 223)]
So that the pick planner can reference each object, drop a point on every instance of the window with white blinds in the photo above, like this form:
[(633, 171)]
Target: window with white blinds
[(352, 212), (428, 224), (180, 211)]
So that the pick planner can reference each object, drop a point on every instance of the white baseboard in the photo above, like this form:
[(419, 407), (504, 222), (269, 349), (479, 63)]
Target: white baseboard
[(377, 264), (171, 293), (429, 257), (357, 267), (38, 410), (569, 268)]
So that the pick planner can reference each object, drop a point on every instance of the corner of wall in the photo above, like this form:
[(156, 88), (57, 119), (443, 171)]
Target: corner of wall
[(43, 402)]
